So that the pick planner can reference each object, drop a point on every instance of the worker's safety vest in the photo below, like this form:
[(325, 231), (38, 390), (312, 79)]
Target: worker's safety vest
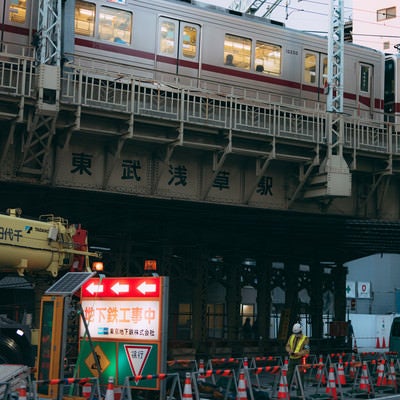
[(299, 345)]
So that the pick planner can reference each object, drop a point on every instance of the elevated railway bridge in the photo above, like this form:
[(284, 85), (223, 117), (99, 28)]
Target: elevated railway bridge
[(228, 188)]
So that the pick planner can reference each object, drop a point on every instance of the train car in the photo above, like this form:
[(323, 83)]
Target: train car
[(194, 44), (392, 88)]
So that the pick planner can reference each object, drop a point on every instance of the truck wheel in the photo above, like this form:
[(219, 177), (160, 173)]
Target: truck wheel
[(12, 353)]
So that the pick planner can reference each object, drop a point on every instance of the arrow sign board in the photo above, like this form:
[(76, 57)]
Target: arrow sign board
[(122, 287)]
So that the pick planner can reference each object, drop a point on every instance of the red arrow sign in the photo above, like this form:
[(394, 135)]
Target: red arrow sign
[(122, 287)]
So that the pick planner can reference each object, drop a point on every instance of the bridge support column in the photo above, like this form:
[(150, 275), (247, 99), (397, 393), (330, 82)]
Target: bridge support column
[(316, 306)]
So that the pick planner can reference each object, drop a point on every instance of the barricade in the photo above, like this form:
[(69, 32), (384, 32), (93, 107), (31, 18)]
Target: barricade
[(218, 384), (72, 386), (173, 386)]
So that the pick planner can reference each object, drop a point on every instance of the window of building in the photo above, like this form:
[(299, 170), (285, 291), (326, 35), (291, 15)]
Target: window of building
[(386, 45), (386, 13), (215, 318), (237, 51), (189, 42), (115, 25), (168, 38), (85, 14), (17, 11), (184, 321), (268, 58)]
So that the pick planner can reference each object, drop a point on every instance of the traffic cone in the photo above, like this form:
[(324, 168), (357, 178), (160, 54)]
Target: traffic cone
[(22, 392), (391, 381), (383, 343), (352, 369), (285, 364), (241, 391), (341, 376), (364, 380), (110, 389), (378, 345), (283, 392), (187, 389), (331, 386), (380, 370), (245, 363), (201, 377), (320, 376), (86, 390)]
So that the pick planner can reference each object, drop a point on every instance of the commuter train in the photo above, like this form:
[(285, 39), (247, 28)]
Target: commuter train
[(201, 43)]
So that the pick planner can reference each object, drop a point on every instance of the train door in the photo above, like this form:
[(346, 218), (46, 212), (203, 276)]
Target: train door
[(178, 49), (315, 75), (16, 25)]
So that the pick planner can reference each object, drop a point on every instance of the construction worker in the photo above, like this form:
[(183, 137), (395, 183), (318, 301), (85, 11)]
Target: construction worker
[(298, 348)]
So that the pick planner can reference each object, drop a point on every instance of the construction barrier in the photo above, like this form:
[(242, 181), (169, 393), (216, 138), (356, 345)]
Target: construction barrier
[(72, 386)]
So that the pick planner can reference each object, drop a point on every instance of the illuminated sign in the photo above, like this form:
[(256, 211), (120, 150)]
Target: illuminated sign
[(124, 317)]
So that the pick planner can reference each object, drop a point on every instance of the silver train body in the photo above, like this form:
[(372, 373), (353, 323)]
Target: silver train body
[(195, 43)]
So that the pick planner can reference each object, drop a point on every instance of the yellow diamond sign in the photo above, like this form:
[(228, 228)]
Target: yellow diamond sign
[(103, 361)]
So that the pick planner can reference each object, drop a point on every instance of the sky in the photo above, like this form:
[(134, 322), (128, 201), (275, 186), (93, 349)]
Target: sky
[(306, 15)]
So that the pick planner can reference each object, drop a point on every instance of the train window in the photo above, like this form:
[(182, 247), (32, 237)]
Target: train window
[(310, 68), (84, 18), (189, 41), (17, 11), (168, 38), (115, 25), (237, 51), (268, 58), (365, 74)]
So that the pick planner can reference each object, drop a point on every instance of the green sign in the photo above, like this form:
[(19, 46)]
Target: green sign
[(137, 359), (106, 356)]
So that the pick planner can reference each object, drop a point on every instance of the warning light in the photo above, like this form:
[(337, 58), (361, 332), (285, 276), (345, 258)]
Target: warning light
[(150, 265), (98, 266)]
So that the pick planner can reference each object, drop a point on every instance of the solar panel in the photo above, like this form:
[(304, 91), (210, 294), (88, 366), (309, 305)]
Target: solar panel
[(69, 283)]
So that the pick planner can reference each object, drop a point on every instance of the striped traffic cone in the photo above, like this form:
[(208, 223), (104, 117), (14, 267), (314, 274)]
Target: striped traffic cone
[(110, 389), (201, 377), (352, 369), (86, 390), (22, 392), (331, 385), (241, 391), (364, 380), (187, 389), (245, 363), (380, 370), (341, 376), (392, 381), (283, 392), (320, 376)]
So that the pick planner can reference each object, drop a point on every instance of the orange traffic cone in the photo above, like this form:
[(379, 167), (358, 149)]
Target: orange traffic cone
[(380, 370), (201, 377), (86, 390), (283, 392), (187, 389), (286, 364), (364, 380), (352, 369), (242, 393), (110, 389), (331, 386), (383, 343), (391, 381), (341, 376), (320, 376), (378, 345), (245, 363), (22, 392)]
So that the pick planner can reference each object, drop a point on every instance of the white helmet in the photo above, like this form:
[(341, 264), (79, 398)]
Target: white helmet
[(296, 328)]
